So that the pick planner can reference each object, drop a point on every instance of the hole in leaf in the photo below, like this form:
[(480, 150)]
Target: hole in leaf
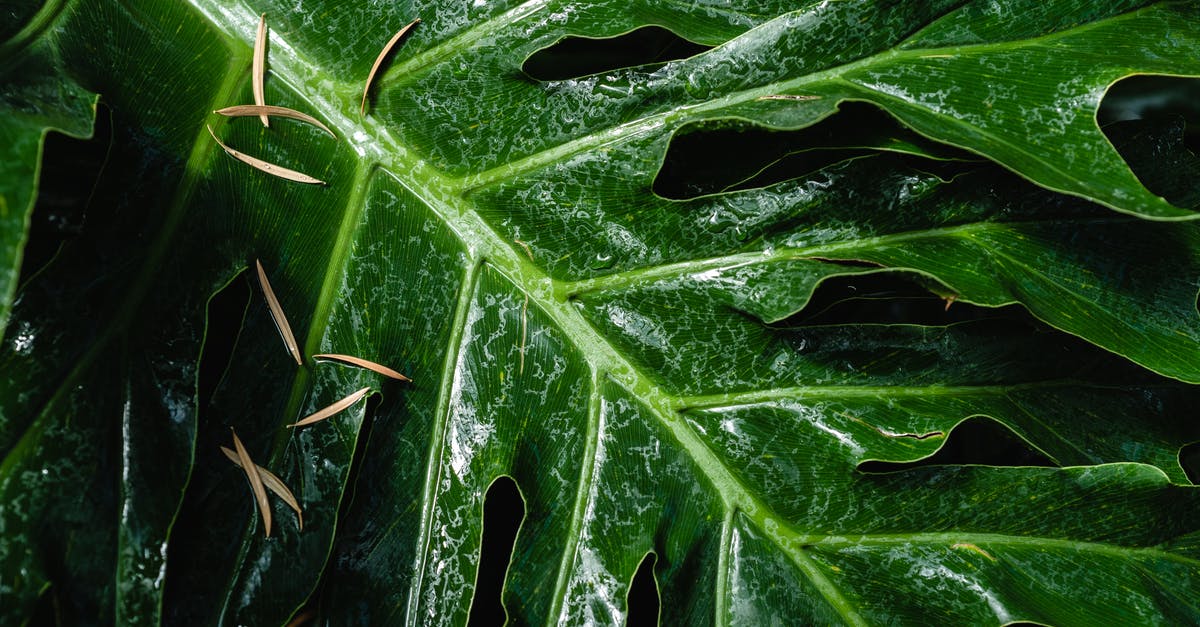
[(1154, 123), (728, 156), (223, 326), (1156, 152), (1148, 97), (575, 57), (888, 298), (975, 441), (503, 512), (374, 402), (69, 170), (310, 613), (643, 595), (1189, 460)]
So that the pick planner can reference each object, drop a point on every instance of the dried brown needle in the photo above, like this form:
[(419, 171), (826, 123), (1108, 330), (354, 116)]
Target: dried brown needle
[(363, 363), (265, 166), (237, 111), (333, 409), (259, 67), (281, 323), (300, 619), (528, 250), (272, 483), (256, 484), (379, 61)]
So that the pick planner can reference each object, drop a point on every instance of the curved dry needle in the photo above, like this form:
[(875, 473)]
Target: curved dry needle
[(379, 61), (269, 168), (256, 484), (237, 111), (301, 619), (259, 69), (272, 483), (363, 363), (281, 323), (333, 409)]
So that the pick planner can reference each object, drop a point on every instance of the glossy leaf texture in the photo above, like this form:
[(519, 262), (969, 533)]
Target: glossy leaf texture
[(650, 360)]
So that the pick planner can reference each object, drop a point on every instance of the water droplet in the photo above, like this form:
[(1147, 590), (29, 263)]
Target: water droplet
[(22, 341), (602, 261)]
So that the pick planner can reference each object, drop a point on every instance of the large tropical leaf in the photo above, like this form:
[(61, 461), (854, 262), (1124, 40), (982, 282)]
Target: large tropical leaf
[(643, 356)]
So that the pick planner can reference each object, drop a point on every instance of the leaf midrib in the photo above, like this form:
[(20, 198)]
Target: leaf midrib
[(437, 190), (467, 184), (730, 400), (602, 357)]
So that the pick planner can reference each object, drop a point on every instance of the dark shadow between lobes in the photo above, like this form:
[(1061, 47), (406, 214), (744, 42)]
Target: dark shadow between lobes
[(726, 156), (643, 599), (70, 168), (888, 296), (976, 441), (574, 57), (226, 315), (1154, 123), (503, 513), (1189, 460)]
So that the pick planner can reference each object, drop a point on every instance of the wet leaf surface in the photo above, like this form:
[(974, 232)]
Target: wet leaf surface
[(653, 374)]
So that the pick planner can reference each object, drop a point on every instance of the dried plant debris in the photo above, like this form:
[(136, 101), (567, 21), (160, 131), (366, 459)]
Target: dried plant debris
[(256, 484), (528, 250), (269, 168), (281, 323), (341, 405), (272, 483), (259, 67), (379, 61), (363, 363), (237, 111)]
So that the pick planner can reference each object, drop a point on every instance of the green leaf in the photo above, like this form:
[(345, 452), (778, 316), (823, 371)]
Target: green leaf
[(650, 372), (35, 101)]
